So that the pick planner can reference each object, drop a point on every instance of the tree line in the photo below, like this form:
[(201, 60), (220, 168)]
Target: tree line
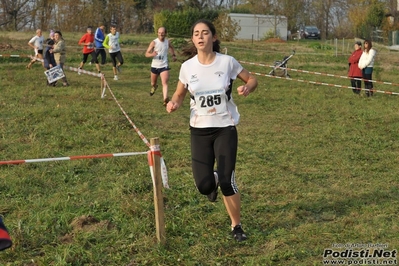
[(335, 18)]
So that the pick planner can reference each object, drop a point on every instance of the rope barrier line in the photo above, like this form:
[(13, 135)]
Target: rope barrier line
[(70, 158), (105, 83), (126, 115), (104, 86), (82, 71), (14, 55), (324, 84), (244, 62), (320, 73), (75, 69), (164, 171)]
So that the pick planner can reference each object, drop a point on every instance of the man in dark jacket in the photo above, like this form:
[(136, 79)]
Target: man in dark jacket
[(48, 58)]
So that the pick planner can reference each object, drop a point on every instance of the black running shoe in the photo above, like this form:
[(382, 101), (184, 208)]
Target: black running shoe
[(165, 102), (214, 194), (238, 233)]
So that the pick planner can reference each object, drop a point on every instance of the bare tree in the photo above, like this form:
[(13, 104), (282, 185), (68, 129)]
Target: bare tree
[(331, 16), (197, 4), (16, 13)]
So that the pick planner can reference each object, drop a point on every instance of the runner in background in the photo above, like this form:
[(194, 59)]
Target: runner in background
[(111, 42), (99, 37), (37, 44), (87, 41), (158, 50)]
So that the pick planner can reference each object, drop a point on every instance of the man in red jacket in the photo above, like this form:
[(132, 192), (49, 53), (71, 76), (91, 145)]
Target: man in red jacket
[(355, 73), (87, 41)]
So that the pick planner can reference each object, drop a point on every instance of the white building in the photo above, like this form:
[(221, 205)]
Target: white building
[(256, 27)]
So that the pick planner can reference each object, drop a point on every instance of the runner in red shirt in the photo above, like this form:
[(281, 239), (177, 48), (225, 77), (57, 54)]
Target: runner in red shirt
[(87, 41)]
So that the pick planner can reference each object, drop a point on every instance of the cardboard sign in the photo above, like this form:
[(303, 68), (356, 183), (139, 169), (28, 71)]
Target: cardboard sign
[(54, 74)]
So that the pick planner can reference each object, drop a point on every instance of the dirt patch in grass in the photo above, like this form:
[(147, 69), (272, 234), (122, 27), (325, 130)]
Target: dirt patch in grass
[(85, 224), (5, 47), (275, 40)]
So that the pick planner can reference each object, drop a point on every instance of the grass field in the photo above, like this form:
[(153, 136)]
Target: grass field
[(317, 165)]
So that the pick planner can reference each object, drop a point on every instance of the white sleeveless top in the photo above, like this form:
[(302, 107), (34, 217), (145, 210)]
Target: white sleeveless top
[(113, 41), (161, 59)]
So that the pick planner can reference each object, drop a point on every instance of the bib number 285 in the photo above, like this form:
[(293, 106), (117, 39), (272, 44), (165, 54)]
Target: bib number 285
[(210, 100)]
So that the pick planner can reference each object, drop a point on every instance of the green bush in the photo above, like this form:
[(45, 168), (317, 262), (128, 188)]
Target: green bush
[(178, 42), (129, 42), (179, 23), (268, 35), (320, 46)]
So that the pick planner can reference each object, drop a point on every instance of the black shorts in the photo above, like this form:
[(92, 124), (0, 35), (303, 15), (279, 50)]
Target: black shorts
[(93, 56), (114, 56), (40, 51), (158, 71)]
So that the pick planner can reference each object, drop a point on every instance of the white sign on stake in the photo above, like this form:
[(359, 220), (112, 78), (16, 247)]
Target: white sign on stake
[(54, 74)]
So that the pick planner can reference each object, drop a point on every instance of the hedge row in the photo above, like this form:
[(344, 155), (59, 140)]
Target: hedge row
[(179, 23)]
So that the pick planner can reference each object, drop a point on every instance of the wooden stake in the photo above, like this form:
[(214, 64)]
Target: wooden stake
[(158, 197)]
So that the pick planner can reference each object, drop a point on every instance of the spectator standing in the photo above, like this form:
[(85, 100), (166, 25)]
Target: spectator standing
[(355, 73), (111, 42), (59, 51), (366, 64), (158, 50), (51, 35), (48, 58), (208, 75), (37, 44)]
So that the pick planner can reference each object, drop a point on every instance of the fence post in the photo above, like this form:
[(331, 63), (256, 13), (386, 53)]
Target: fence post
[(336, 46), (158, 197)]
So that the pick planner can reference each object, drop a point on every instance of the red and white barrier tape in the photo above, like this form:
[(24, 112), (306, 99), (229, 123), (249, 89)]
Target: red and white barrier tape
[(82, 71), (320, 73), (69, 158), (104, 86), (75, 69), (324, 84), (14, 55), (141, 135)]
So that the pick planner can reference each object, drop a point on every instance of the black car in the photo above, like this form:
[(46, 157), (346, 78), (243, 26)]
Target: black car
[(310, 32)]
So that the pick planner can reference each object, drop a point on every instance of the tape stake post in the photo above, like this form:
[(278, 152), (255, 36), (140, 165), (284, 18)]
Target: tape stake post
[(103, 86), (155, 164)]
